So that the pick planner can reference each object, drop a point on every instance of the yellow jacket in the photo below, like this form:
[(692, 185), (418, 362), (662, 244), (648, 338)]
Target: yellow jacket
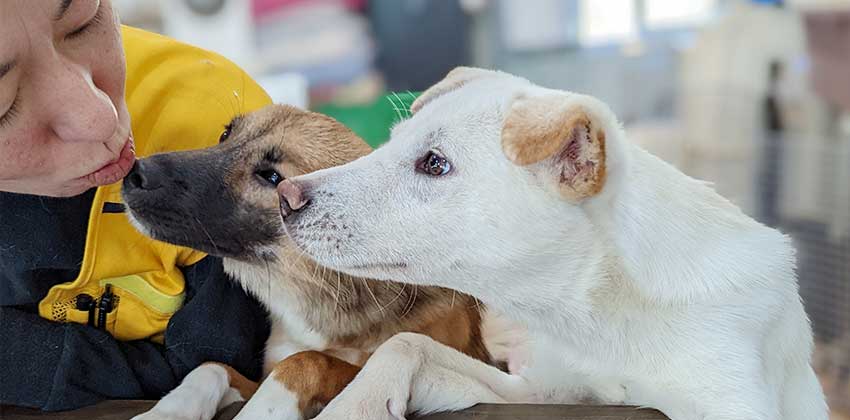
[(179, 98)]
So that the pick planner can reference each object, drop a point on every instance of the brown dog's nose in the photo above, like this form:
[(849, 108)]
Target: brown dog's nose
[(144, 175), (291, 197)]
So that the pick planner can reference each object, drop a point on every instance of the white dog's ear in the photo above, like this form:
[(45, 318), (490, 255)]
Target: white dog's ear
[(561, 134), (455, 79)]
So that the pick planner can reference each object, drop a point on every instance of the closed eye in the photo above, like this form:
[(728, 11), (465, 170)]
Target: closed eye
[(83, 30), (6, 118)]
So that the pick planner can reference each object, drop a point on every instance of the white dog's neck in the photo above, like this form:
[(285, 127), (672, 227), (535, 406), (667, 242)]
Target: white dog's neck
[(661, 238), (678, 241)]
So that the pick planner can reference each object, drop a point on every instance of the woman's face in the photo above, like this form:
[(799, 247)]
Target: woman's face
[(64, 126)]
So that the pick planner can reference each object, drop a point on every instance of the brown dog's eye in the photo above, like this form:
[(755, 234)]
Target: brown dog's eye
[(224, 134), (271, 176), (434, 164)]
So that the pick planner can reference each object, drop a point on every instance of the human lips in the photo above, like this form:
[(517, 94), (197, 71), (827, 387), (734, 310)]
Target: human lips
[(115, 170)]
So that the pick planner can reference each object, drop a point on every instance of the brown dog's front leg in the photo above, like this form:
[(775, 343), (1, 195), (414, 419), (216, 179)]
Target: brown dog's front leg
[(299, 387), (315, 378)]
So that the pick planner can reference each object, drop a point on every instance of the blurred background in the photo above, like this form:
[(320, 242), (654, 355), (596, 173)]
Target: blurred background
[(751, 95)]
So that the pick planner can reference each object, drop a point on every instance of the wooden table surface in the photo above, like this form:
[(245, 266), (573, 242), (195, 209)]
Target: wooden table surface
[(124, 410)]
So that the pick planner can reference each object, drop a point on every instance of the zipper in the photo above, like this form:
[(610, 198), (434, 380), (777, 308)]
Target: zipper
[(105, 306)]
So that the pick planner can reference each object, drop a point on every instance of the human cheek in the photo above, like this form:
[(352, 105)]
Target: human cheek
[(27, 151)]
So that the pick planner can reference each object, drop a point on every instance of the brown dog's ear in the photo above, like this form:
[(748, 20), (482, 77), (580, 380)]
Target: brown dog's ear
[(562, 134), (455, 79)]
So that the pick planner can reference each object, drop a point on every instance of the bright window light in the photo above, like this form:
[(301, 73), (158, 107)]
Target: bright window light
[(605, 22), (661, 14)]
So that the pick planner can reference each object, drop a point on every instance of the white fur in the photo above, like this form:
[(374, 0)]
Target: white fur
[(271, 401), (505, 340), (655, 292)]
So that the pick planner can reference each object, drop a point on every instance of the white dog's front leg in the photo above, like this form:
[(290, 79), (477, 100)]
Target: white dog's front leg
[(745, 400), (413, 373), (719, 394)]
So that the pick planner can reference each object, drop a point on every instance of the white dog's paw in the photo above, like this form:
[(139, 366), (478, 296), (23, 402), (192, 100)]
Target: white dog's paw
[(376, 403), (518, 390), (366, 409), (387, 400)]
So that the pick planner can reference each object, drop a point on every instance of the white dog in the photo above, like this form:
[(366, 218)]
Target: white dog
[(638, 284)]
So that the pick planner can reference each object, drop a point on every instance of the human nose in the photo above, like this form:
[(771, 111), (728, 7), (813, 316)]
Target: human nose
[(78, 110)]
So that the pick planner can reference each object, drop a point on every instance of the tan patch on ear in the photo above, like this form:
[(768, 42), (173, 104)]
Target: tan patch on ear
[(533, 130), (455, 79), (537, 129)]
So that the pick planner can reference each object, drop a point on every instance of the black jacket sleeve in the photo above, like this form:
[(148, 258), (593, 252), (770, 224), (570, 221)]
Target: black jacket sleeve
[(55, 366)]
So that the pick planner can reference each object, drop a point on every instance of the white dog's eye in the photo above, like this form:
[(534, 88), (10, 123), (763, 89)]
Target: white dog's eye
[(433, 164)]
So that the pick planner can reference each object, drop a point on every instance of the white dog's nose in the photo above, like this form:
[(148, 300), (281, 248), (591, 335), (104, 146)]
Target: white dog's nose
[(291, 197)]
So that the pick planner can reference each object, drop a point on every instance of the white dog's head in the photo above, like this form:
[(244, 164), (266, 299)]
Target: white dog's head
[(487, 180)]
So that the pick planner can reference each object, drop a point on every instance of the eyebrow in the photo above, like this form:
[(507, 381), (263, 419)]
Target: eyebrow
[(7, 67), (63, 7), (273, 156), (436, 135)]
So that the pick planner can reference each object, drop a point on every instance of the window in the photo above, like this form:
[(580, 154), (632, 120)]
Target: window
[(664, 14), (607, 22), (617, 21)]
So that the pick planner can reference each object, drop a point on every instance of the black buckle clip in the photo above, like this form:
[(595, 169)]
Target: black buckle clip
[(87, 303)]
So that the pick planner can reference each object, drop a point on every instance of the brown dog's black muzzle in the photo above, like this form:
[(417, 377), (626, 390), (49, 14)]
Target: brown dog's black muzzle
[(141, 179), (184, 198)]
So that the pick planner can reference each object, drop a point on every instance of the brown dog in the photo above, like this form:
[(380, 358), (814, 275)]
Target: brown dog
[(223, 200)]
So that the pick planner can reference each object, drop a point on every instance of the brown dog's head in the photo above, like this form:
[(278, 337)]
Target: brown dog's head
[(223, 200)]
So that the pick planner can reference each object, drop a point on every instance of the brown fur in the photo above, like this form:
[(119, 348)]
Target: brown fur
[(315, 377)]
